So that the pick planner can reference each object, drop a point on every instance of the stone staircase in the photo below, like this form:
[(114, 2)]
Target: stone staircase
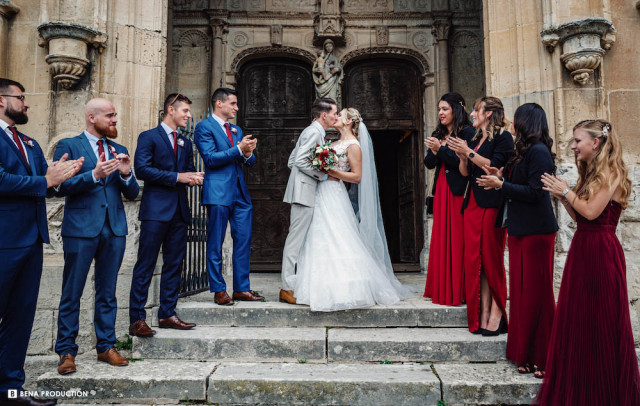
[(412, 353)]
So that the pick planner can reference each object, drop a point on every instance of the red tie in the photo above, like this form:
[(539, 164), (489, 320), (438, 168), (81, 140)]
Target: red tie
[(228, 128), (175, 143), (16, 139), (101, 151)]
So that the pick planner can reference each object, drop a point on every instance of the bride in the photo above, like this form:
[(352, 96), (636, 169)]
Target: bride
[(343, 263)]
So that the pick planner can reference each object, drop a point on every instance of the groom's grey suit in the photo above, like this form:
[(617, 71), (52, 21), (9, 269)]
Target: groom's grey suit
[(300, 193)]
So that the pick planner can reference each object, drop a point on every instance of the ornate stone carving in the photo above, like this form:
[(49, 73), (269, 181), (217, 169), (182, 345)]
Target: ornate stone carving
[(193, 38), (382, 35), (368, 6), (326, 72), (68, 50), (420, 40), (412, 5), (218, 28), (276, 35), (584, 43), (440, 30), (258, 52), (8, 9), (329, 26), (240, 39), (403, 52)]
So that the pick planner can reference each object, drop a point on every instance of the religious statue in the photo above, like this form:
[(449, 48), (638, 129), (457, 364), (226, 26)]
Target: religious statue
[(326, 72)]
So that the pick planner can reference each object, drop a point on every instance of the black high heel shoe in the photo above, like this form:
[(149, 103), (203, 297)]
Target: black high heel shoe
[(479, 331), (502, 328)]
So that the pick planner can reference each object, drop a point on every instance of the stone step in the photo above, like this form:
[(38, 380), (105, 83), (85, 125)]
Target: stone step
[(416, 312), (321, 345), (231, 383)]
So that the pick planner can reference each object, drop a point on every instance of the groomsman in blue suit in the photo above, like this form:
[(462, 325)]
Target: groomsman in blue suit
[(225, 150), (164, 161), (25, 181), (94, 227)]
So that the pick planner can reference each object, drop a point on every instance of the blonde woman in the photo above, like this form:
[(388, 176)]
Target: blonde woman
[(592, 359), (344, 262)]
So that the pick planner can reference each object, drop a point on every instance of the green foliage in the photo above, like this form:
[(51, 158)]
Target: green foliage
[(386, 362), (135, 359), (126, 344), (442, 403), (302, 361)]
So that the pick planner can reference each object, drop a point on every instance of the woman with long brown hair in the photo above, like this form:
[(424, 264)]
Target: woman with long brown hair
[(485, 277), (445, 278), (592, 359)]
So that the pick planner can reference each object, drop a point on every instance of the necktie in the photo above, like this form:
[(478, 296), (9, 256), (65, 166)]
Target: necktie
[(101, 150), (175, 143), (228, 128), (19, 144)]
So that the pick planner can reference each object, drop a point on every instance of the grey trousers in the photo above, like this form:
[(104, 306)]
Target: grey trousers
[(300, 221)]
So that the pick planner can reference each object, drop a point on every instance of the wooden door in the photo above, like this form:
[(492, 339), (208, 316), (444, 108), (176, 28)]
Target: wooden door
[(275, 99)]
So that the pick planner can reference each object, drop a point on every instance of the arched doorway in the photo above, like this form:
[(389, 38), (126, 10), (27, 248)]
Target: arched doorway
[(387, 92), (275, 97)]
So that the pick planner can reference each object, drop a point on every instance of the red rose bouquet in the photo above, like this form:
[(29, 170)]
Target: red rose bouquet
[(323, 157)]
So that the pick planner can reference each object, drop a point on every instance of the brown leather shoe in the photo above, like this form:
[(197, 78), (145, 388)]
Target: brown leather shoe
[(67, 364), (175, 322), (248, 296), (141, 329), (286, 296), (113, 357), (222, 298)]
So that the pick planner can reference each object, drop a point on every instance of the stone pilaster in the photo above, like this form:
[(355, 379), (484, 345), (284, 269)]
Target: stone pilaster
[(219, 29), (7, 11), (440, 32)]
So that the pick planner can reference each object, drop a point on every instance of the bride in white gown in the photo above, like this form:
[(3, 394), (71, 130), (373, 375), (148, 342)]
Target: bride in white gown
[(344, 263)]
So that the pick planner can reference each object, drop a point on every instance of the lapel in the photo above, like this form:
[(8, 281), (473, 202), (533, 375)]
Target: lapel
[(88, 150), (179, 155), (165, 139), (111, 156), (29, 151), (16, 151)]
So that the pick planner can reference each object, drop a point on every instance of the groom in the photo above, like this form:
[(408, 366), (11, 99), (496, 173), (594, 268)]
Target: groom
[(301, 190)]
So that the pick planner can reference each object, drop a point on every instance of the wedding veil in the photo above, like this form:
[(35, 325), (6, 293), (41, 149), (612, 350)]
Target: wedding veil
[(371, 226)]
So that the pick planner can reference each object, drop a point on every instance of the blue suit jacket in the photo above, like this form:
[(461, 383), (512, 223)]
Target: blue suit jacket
[(23, 211), (88, 202), (158, 166), (223, 163)]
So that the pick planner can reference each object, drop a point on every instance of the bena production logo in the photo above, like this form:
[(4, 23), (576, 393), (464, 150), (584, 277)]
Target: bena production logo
[(50, 394)]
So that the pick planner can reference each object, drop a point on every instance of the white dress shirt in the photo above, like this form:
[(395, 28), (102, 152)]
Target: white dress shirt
[(93, 140), (222, 123), (5, 128)]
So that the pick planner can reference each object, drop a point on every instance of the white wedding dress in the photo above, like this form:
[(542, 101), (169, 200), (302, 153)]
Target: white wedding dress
[(336, 270)]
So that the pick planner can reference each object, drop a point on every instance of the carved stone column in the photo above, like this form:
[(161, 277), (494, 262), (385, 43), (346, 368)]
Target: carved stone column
[(440, 32), (68, 47), (583, 42), (218, 29), (329, 24), (7, 11)]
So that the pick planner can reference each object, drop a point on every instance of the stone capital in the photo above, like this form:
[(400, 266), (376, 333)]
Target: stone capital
[(584, 43), (218, 27), (8, 9), (440, 30)]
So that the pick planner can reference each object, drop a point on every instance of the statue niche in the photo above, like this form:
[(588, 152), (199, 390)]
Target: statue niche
[(326, 72)]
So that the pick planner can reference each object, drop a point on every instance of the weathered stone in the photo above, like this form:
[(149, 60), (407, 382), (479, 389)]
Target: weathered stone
[(246, 343), (155, 380), (413, 344), (297, 384), (41, 340), (488, 384)]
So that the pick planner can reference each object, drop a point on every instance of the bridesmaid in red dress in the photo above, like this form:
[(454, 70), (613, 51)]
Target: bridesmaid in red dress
[(445, 280), (592, 359), (531, 223), (484, 273)]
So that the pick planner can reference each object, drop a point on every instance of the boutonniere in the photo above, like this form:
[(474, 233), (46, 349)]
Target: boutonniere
[(113, 150), (234, 131), (180, 142), (28, 141)]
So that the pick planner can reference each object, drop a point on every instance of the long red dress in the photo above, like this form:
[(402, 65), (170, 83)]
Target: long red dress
[(483, 252), (592, 359), (445, 279)]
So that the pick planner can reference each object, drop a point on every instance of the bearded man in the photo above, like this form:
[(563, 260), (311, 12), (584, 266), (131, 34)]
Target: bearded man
[(94, 227)]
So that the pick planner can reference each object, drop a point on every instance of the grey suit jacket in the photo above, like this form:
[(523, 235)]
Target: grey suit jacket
[(301, 188)]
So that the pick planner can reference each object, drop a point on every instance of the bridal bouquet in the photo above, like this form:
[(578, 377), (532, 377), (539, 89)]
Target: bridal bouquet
[(323, 157)]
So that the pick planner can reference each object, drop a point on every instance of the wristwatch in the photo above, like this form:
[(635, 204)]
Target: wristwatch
[(472, 154), (564, 192)]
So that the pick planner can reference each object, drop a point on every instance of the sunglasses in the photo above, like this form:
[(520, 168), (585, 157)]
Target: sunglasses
[(176, 98), (21, 97)]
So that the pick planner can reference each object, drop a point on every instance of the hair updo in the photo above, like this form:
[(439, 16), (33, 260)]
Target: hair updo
[(353, 115)]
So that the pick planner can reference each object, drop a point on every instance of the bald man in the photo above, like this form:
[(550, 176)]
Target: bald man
[(94, 227)]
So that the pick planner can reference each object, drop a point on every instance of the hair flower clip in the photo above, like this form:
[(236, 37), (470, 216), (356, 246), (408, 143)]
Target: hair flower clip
[(461, 103), (180, 142), (605, 130)]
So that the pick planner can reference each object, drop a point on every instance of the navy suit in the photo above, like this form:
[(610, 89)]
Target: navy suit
[(94, 227), (226, 196), (164, 216), (23, 216)]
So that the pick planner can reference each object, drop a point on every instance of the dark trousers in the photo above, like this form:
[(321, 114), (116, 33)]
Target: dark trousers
[(20, 271), (108, 250), (239, 215), (172, 236)]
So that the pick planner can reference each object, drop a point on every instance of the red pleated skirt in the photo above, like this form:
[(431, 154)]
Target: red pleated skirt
[(592, 358), (532, 304), (483, 252), (445, 279)]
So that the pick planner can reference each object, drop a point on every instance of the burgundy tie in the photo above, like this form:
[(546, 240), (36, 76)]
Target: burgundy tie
[(101, 150), (175, 143), (16, 139), (228, 128)]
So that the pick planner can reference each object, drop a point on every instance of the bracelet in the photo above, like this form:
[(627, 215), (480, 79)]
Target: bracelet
[(564, 192)]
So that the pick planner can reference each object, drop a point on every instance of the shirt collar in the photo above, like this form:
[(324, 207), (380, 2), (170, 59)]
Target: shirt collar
[(166, 128), (318, 126), (4, 125), (218, 119), (92, 138)]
